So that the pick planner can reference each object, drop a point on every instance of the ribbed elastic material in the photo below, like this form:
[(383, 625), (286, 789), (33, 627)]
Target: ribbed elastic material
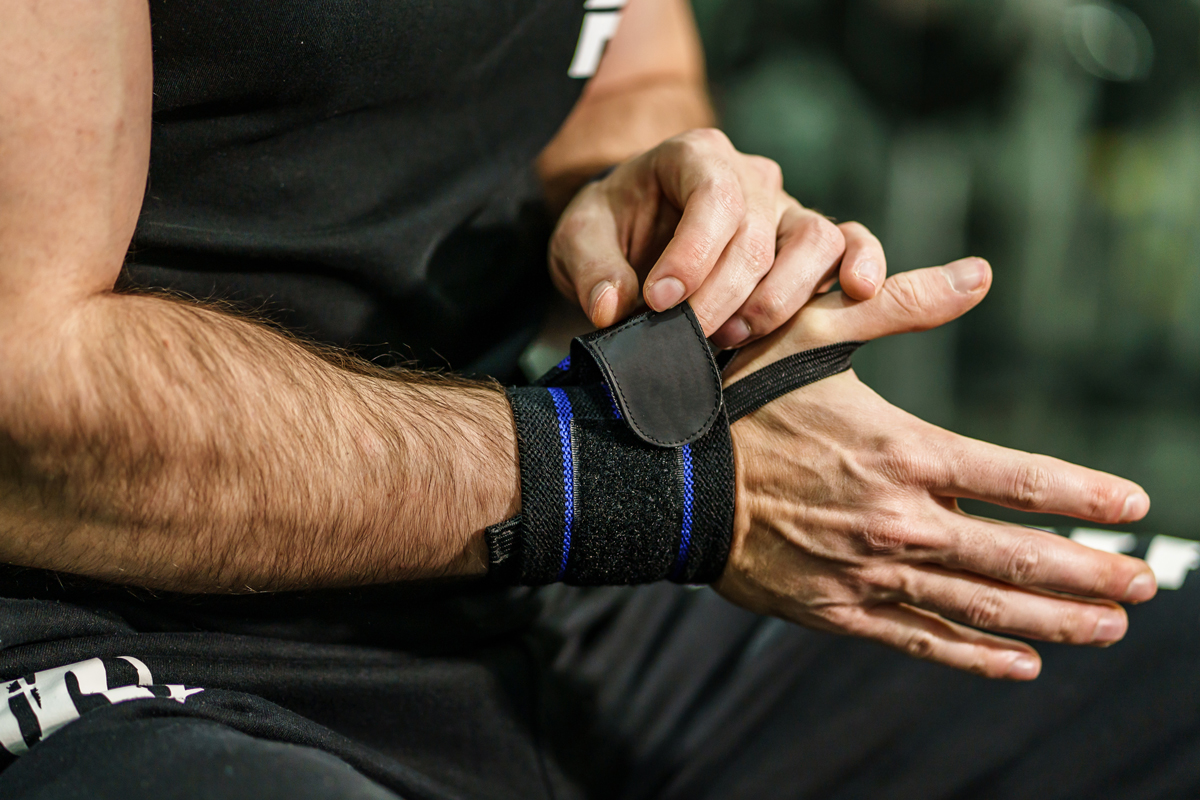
[(562, 406)]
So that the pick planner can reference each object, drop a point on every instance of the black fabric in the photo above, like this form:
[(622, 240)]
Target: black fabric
[(713, 474), (342, 700), (538, 545), (627, 693), (181, 758), (624, 519), (626, 462), (787, 375), (661, 373), (360, 172), (629, 508)]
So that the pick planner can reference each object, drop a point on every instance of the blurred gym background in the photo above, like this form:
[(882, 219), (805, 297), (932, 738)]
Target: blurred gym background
[(1058, 139)]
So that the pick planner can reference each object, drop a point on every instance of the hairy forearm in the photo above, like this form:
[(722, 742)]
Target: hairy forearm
[(149, 441)]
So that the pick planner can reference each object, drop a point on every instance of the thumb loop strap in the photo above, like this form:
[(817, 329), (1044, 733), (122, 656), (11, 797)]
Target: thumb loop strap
[(786, 375)]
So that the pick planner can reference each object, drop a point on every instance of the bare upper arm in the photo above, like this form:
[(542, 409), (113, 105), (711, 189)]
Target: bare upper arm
[(75, 103), (657, 40), (648, 87)]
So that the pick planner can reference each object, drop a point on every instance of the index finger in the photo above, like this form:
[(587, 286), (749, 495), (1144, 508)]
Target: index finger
[(713, 205), (978, 470)]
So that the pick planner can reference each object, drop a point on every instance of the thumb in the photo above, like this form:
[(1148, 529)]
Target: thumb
[(910, 301), (587, 263)]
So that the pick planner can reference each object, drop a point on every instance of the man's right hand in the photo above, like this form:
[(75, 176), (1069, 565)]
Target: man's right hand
[(847, 519)]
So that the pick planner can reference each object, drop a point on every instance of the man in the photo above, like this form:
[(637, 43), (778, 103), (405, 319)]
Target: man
[(359, 175)]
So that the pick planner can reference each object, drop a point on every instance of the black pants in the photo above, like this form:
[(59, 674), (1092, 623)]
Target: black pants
[(654, 692)]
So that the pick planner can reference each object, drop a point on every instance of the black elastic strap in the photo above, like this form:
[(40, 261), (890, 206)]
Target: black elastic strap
[(786, 375)]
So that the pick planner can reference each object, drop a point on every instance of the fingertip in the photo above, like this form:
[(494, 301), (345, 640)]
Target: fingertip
[(968, 275), (1137, 506), (602, 304), (1110, 628), (732, 334), (865, 279), (1143, 587), (664, 293), (1024, 667)]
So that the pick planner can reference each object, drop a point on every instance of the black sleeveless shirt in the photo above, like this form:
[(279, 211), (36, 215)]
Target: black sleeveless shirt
[(362, 172), (359, 170)]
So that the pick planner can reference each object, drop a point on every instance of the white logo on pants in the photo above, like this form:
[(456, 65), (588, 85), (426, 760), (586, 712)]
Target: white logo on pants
[(40, 704)]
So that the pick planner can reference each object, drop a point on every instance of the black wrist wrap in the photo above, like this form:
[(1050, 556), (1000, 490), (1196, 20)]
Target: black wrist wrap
[(626, 458)]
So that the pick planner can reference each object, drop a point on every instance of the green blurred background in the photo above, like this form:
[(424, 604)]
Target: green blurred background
[(1061, 141)]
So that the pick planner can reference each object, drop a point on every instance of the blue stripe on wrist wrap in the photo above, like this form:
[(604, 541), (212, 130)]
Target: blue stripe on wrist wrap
[(566, 416)]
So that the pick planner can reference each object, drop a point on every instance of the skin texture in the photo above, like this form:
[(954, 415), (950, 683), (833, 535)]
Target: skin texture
[(685, 216), (847, 518)]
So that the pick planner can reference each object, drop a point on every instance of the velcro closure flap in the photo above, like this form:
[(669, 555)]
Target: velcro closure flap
[(661, 372)]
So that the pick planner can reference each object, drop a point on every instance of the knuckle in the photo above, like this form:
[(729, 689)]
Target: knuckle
[(714, 137), (702, 141), (910, 295), (844, 617), (858, 231), (985, 609), (886, 535), (727, 195), (768, 309), (570, 227), (980, 664), (757, 247), (1108, 576), (894, 457), (1031, 482), (1024, 561), (827, 239), (1073, 627), (769, 170), (920, 644), (1106, 502), (901, 459), (875, 582)]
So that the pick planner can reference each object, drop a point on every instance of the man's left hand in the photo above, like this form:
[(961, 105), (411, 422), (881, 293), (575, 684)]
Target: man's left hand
[(700, 221)]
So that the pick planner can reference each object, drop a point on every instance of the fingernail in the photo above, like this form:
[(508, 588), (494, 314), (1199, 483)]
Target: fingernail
[(1141, 588), (869, 270), (1109, 628), (1137, 505), (966, 276), (665, 293), (598, 292), (1025, 668), (732, 333)]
